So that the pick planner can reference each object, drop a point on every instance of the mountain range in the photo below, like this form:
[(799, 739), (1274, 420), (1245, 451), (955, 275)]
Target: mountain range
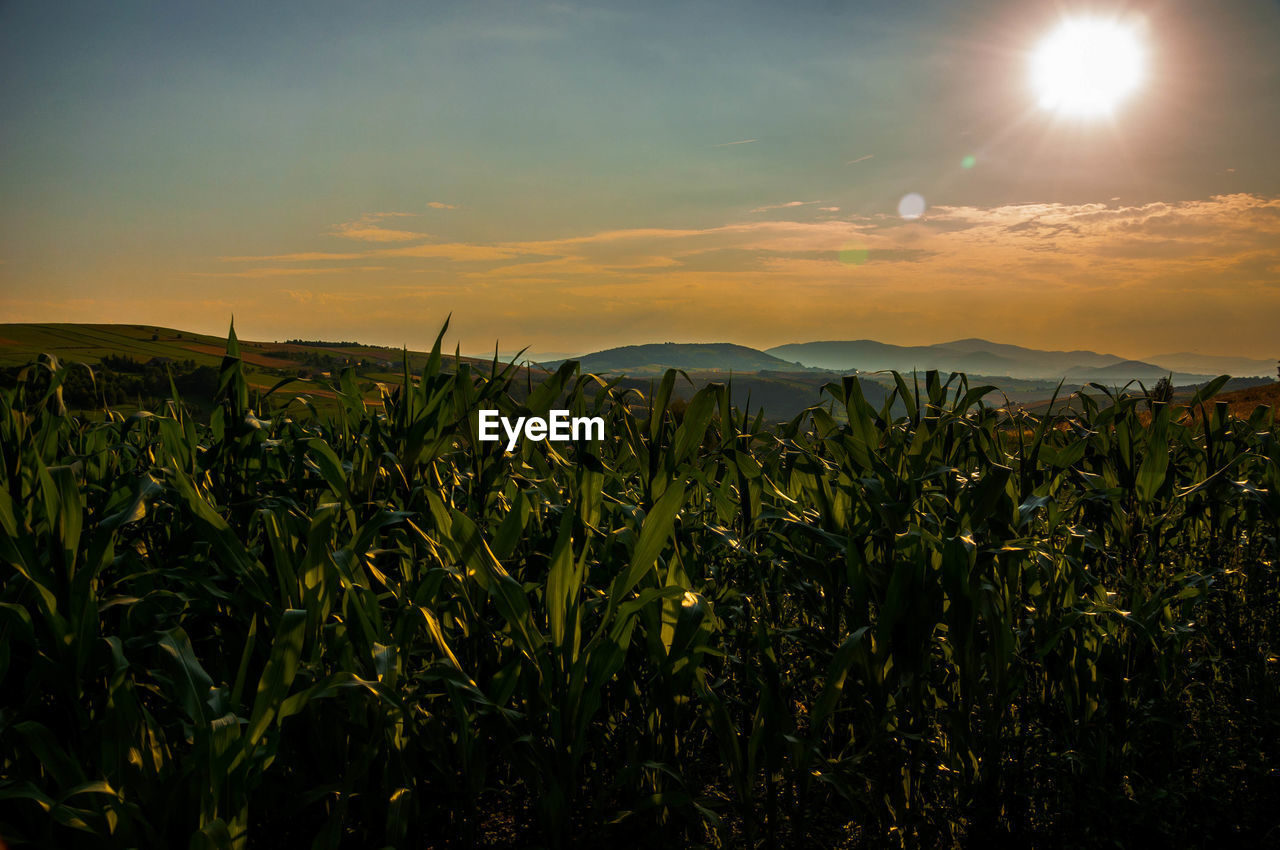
[(980, 356), (972, 356), (781, 385)]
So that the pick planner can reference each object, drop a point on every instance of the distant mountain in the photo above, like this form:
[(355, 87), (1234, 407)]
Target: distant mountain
[(1128, 370), (975, 356), (865, 355), (1020, 354), (980, 357), (1242, 367), (703, 357)]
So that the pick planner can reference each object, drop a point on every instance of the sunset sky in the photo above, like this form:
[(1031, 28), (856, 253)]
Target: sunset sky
[(578, 176)]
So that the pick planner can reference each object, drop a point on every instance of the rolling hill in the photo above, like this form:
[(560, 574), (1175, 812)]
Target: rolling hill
[(89, 343), (656, 358), (314, 365), (981, 357), (783, 380), (781, 389), (1242, 367)]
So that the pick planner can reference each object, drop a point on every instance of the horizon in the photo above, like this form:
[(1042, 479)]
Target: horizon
[(530, 354), (588, 176)]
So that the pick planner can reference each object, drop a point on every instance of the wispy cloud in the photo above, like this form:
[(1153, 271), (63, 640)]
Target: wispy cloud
[(276, 271), (783, 206), (862, 158), (455, 251), (367, 228), (739, 142), (310, 296), (300, 257), (1060, 274)]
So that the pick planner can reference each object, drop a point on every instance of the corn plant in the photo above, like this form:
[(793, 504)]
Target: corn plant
[(929, 623)]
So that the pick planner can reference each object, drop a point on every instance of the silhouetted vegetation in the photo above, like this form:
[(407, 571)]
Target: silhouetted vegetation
[(119, 380), (325, 343)]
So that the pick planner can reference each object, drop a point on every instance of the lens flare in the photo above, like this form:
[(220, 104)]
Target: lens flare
[(853, 255), (911, 206)]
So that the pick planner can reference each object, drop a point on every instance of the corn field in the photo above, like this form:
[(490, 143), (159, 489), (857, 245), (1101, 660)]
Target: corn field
[(934, 623)]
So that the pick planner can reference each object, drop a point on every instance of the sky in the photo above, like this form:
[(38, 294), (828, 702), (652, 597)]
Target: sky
[(571, 177)]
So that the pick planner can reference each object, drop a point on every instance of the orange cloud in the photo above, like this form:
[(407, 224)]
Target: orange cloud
[(301, 257), (455, 251), (1041, 274), (271, 271), (367, 229)]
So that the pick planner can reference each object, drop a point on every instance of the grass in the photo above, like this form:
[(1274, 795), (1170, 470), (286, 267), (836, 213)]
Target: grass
[(952, 625), (89, 343)]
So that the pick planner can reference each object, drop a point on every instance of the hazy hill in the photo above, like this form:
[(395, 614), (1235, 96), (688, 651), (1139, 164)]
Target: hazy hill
[(704, 357), (966, 355), (1244, 367), (1129, 370), (1028, 357), (866, 355), (981, 357)]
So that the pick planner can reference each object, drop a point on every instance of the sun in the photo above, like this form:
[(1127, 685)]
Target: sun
[(1086, 68)]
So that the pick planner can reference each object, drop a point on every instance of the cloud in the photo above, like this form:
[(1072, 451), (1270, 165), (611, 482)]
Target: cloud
[(730, 144), (456, 251), (1048, 274), (862, 158), (1033, 241), (783, 206), (301, 257), (441, 205), (310, 296), (272, 271), (367, 228)]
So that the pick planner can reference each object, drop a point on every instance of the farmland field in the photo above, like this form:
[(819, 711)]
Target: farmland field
[(919, 622)]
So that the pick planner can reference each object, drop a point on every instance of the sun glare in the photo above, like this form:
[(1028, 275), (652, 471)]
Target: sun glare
[(1086, 68)]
